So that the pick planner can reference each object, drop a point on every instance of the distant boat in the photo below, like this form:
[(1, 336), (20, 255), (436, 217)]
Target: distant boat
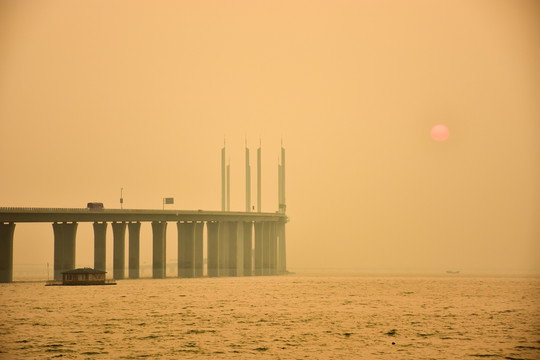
[(452, 271)]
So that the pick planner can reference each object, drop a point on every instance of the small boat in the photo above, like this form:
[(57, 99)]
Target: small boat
[(452, 271)]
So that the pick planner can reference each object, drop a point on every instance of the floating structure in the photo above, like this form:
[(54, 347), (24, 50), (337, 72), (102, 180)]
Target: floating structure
[(82, 276), (237, 243), (85, 276)]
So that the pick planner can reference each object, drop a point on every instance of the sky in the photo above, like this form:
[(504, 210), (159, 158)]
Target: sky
[(96, 96)]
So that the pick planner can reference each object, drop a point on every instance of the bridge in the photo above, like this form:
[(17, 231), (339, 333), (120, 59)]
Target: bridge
[(237, 243)]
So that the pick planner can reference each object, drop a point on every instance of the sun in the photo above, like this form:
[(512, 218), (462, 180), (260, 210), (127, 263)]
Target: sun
[(440, 132)]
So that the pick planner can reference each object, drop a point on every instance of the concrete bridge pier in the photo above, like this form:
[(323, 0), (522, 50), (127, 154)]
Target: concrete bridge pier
[(212, 248), (267, 235), (199, 256), (223, 248), (232, 250), (239, 248), (282, 254), (134, 249), (186, 249), (236, 249), (259, 251), (64, 248), (119, 250), (159, 249), (6, 252), (247, 244), (273, 249), (100, 245)]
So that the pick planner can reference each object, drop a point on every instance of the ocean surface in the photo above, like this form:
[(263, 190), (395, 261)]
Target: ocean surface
[(277, 317)]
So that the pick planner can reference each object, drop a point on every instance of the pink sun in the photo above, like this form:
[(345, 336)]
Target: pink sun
[(439, 132)]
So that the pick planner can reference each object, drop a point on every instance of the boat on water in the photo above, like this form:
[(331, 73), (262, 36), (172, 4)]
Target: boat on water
[(452, 271), (83, 276)]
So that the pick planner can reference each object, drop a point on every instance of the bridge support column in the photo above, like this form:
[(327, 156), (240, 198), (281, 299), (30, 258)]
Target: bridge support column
[(64, 248), (100, 245), (212, 248), (259, 251), (236, 249), (199, 257), (159, 249), (282, 250), (267, 234), (223, 248), (186, 249), (240, 248), (247, 244), (134, 249), (6, 252), (231, 254), (273, 249), (119, 250)]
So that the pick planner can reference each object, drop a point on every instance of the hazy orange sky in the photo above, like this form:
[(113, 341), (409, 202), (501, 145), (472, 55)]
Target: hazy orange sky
[(99, 95)]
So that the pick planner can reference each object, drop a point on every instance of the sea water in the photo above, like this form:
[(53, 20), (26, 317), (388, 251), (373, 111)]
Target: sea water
[(287, 317)]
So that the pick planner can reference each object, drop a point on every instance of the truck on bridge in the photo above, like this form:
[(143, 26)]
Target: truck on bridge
[(94, 206)]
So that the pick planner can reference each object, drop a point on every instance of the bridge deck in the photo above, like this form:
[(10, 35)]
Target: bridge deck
[(17, 215)]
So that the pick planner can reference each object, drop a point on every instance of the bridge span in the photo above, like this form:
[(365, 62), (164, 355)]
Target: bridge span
[(238, 243)]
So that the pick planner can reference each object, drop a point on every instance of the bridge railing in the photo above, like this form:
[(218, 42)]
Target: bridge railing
[(38, 209)]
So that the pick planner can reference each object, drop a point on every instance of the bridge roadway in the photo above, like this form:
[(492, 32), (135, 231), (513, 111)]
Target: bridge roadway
[(232, 250)]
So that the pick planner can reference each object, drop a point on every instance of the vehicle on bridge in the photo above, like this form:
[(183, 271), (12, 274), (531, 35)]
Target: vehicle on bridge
[(94, 206)]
